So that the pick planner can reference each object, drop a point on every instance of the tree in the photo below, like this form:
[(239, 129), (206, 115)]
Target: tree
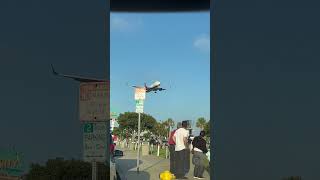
[(119, 132), (170, 122), (201, 122), (161, 129), (147, 135), (128, 121), (64, 169), (207, 128)]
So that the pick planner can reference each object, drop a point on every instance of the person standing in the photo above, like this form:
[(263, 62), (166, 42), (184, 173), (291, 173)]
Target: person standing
[(151, 145), (199, 155), (172, 145), (180, 138)]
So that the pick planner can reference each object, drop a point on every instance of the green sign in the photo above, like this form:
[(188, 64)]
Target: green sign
[(88, 128), (139, 106), (113, 113), (139, 102)]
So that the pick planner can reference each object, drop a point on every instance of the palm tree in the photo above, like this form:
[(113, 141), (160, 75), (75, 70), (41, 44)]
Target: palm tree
[(170, 122), (201, 122)]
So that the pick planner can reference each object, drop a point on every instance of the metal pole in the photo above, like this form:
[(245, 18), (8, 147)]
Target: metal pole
[(167, 147), (138, 152), (94, 170)]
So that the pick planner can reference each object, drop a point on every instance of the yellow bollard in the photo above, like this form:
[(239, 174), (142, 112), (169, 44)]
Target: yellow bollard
[(166, 175)]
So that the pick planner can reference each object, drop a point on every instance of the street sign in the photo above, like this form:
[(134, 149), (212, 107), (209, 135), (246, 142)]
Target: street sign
[(11, 163), (113, 124), (113, 113), (94, 141), (139, 102), (140, 93), (139, 106), (94, 101), (139, 109)]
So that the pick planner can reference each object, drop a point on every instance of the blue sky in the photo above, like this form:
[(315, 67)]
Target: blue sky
[(172, 48)]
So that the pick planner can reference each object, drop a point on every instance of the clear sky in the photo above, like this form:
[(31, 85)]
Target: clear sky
[(173, 48)]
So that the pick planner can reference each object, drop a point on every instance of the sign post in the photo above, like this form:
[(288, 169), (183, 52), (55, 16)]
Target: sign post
[(140, 95), (94, 170)]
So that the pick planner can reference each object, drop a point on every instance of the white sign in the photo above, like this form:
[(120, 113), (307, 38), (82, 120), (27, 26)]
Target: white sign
[(139, 109), (94, 142), (94, 101), (139, 106), (113, 123), (140, 93)]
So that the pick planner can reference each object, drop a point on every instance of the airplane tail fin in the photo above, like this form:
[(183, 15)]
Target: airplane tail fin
[(145, 85), (53, 70)]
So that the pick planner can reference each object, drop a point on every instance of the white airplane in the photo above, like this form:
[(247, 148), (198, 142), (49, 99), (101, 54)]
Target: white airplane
[(154, 87), (77, 78)]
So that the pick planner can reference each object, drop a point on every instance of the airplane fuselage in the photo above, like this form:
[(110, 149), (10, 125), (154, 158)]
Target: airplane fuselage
[(154, 88)]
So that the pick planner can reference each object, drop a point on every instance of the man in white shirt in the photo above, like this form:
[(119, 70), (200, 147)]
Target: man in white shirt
[(180, 138)]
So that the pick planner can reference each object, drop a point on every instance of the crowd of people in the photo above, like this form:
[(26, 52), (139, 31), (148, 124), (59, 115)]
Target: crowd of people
[(180, 152), (179, 149)]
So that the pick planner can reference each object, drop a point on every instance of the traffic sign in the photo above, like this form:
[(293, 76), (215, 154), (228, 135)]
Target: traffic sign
[(139, 106), (94, 101), (94, 142), (139, 102), (140, 93), (113, 113), (139, 109)]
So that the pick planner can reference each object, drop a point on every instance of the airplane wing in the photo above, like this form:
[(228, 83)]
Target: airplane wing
[(77, 78), (161, 89)]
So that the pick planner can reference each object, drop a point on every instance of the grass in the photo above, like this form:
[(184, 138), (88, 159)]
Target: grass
[(162, 152)]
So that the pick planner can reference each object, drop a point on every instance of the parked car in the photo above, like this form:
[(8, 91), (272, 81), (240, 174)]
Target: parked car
[(115, 174)]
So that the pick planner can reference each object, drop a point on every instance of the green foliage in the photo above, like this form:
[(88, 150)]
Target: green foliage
[(147, 135), (129, 121), (201, 122), (207, 128), (170, 122), (64, 169), (161, 129), (119, 132)]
